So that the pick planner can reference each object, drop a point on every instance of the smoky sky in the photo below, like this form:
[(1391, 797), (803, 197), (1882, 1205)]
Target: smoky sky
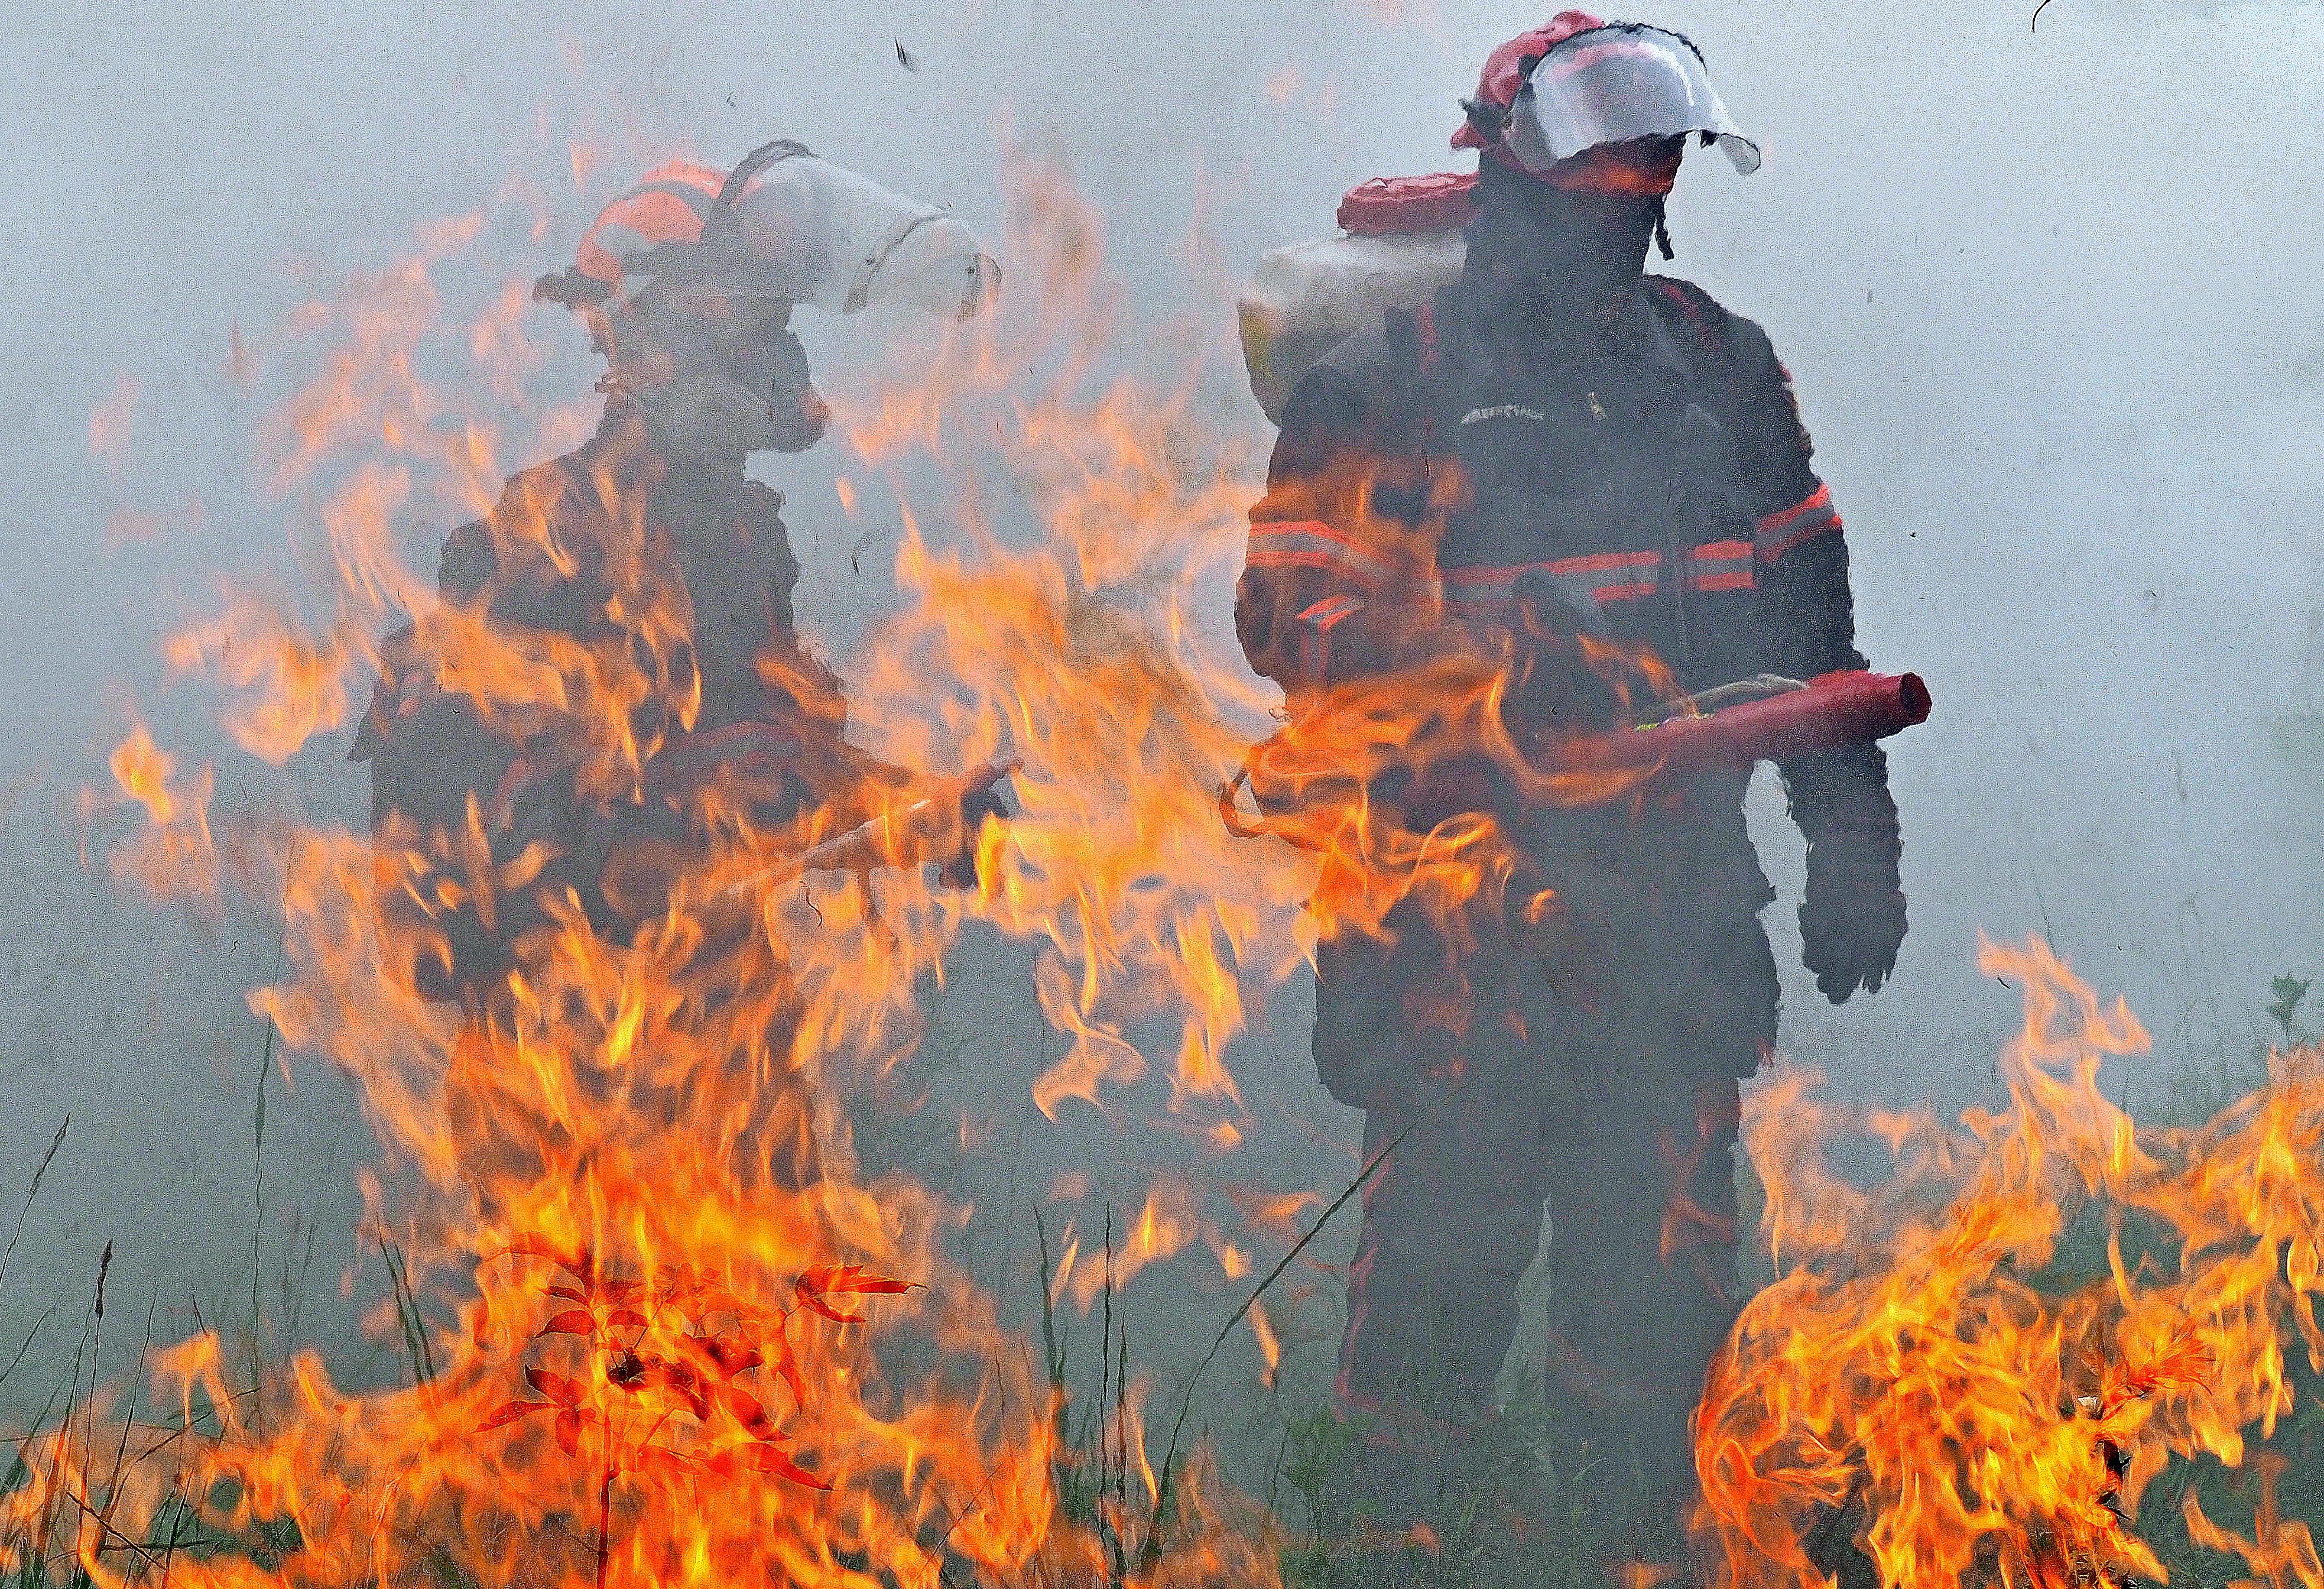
[(2050, 299)]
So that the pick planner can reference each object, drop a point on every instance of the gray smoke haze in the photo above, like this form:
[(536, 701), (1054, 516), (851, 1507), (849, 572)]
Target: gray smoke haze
[(2051, 301)]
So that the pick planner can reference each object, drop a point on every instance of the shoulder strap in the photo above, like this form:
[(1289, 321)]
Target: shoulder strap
[(1416, 361)]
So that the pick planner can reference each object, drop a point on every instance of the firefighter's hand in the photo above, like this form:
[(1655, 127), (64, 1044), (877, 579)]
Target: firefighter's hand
[(1852, 921), (959, 869)]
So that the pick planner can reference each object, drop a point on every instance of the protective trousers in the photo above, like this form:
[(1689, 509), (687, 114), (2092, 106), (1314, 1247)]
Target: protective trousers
[(1632, 1150)]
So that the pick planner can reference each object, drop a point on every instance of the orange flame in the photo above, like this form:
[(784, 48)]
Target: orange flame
[(661, 1329), (666, 1329), (1912, 1388)]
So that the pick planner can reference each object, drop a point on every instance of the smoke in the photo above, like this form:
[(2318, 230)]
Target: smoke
[(2042, 292)]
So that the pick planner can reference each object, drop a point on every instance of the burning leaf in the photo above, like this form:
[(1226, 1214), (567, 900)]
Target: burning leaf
[(748, 1411), (573, 1321), (731, 1357), (816, 1285), (767, 1456), (573, 1260), (787, 1368), (508, 1412), (559, 1389)]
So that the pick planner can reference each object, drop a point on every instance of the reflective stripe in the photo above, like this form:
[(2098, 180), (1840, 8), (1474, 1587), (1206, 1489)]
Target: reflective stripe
[(1473, 590), (1602, 577), (1315, 631), (1330, 610), (1310, 543), (1777, 533), (1722, 565), (1586, 581)]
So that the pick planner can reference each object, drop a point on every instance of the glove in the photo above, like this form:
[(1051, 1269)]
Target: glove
[(1852, 919), (959, 869)]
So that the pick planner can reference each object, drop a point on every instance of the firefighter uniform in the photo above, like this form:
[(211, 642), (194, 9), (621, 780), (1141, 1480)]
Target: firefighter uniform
[(1561, 432), (599, 549), (644, 583)]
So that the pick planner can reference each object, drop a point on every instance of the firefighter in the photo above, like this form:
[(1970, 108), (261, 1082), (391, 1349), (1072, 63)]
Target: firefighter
[(639, 588), (1561, 444)]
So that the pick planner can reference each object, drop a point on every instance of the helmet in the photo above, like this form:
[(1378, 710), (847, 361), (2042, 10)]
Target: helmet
[(1578, 83), (665, 210), (1504, 73), (688, 281), (782, 225)]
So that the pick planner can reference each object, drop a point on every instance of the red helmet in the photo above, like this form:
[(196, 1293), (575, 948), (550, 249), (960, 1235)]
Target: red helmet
[(669, 207), (1579, 100), (1505, 72), (668, 210), (782, 225)]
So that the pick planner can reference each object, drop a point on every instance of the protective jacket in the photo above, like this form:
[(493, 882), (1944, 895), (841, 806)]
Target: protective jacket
[(1633, 459), (1562, 443), (657, 595)]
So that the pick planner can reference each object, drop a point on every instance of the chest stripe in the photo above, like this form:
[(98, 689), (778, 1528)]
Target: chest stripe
[(1310, 543), (1804, 520), (1603, 578)]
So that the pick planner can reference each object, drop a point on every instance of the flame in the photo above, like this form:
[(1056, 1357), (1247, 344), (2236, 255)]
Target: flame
[(2281, 1552), (173, 853), (660, 1326), (1912, 1385)]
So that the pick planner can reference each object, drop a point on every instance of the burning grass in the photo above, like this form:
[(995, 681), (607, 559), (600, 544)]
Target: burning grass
[(1923, 1381), (665, 1327)]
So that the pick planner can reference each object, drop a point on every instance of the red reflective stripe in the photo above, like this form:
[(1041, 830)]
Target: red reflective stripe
[(1330, 611), (1722, 565), (1263, 559), (1596, 563), (1717, 566), (1602, 561), (1261, 528), (1774, 522), (1310, 543), (1822, 527), (1779, 532)]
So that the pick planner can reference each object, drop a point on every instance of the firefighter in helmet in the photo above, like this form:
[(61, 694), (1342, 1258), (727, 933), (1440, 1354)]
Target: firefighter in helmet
[(1612, 453), (642, 583)]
